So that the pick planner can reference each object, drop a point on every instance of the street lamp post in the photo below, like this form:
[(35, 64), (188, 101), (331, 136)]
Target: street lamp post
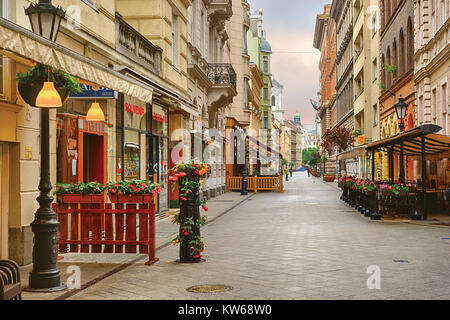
[(401, 108), (45, 20), (244, 191)]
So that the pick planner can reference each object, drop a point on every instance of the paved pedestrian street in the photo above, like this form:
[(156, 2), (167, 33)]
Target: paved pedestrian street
[(302, 244)]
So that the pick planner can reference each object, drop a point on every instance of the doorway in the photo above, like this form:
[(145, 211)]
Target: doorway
[(93, 158), (158, 168), (4, 194)]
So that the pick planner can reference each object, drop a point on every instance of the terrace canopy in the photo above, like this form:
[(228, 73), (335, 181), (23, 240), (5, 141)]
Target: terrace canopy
[(422, 142)]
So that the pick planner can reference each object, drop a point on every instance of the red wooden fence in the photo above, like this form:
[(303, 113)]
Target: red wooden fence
[(91, 227)]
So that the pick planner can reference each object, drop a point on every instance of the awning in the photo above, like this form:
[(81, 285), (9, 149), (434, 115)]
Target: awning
[(435, 144), (16, 40)]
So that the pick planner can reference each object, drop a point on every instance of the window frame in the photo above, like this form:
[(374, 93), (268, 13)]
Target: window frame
[(174, 41)]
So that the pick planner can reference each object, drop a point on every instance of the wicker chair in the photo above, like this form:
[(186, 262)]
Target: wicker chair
[(10, 288)]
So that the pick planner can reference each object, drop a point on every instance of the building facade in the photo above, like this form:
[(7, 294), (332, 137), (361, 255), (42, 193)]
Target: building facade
[(325, 41), (397, 75), (342, 13)]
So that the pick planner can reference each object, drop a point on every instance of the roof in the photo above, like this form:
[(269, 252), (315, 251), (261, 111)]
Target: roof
[(412, 141), (265, 45)]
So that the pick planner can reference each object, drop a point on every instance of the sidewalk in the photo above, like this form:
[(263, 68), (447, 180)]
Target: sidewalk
[(97, 266)]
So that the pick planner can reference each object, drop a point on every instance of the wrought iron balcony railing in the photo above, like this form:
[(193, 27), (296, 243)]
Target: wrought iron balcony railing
[(134, 45), (222, 74)]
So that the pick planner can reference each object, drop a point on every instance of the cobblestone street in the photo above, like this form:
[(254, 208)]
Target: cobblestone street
[(302, 244)]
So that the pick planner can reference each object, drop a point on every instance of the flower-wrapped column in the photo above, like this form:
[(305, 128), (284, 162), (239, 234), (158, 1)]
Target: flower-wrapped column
[(188, 176), (189, 232)]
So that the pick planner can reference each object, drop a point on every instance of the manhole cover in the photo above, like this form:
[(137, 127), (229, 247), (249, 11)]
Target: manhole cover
[(209, 288)]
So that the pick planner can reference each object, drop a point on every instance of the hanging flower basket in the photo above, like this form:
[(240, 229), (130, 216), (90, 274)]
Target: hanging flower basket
[(30, 83), (30, 92)]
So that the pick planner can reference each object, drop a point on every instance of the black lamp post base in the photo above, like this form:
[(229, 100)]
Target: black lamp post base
[(48, 290), (45, 282)]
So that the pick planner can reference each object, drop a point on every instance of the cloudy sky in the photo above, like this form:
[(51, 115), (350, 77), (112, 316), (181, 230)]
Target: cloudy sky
[(290, 26)]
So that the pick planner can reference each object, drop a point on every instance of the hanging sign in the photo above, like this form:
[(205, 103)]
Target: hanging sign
[(88, 93), (361, 139)]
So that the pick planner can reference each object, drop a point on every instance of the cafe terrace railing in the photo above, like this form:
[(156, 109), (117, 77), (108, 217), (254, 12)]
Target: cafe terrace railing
[(256, 184), (124, 226)]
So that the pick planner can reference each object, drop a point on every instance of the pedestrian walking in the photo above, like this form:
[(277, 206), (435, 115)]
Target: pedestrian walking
[(286, 171), (309, 171), (290, 171)]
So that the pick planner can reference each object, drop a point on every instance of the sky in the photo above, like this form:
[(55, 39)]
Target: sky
[(290, 26)]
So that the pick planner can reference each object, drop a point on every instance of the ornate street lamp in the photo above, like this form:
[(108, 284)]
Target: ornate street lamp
[(45, 20), (401, 108), (244, 191)]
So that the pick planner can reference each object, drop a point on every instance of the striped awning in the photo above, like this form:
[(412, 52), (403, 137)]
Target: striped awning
[(19, 43)]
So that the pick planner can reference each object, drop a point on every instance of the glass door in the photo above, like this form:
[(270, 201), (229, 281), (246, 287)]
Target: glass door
[(158, 170)]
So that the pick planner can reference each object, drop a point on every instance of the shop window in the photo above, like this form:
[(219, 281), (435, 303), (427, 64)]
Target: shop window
[(131, 155), (159, 120)]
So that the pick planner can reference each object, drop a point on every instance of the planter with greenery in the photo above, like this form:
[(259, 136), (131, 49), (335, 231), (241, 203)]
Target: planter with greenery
[(91, 192), (188, 176), (30, 83), (132, 191)]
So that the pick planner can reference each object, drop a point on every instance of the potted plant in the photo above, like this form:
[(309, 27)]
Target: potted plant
[(255, 172), (90, 192), (132, 191), (188, 176), (30, 83)]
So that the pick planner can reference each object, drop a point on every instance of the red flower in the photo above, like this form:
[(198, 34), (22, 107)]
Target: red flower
[(205, 208), (182, 174), (197, 256), (183, 198), (196, 171)]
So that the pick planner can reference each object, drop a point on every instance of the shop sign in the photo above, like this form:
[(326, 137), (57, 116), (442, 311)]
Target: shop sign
[(159, 117), (361, 139), (134, 109), (88, 93)]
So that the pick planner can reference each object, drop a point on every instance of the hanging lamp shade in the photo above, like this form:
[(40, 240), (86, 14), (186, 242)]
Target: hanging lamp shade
[(95, 113), (48, 97)]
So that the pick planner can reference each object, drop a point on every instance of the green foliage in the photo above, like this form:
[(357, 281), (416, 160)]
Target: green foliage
[(79, 188), (127, 187), (391, 68), (307, 153), (41, 73)]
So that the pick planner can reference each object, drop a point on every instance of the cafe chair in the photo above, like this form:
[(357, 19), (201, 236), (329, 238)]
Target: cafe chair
[(10, 288)]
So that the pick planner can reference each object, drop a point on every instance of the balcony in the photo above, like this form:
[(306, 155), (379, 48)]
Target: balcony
[(223, 88), (221, 9), (134, 45)]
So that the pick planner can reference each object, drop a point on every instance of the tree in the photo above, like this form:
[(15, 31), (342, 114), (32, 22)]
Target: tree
[(306, 154)]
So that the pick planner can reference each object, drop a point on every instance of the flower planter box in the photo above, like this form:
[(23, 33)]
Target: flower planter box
[(329, 178), (80, 198), (131, 198)]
